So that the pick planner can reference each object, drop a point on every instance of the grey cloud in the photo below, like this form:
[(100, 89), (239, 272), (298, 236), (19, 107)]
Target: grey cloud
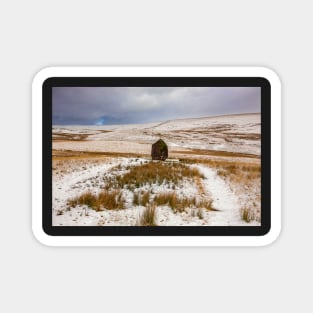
[(122, 105)]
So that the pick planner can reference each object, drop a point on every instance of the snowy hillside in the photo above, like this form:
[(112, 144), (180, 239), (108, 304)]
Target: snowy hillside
[(232, 133)]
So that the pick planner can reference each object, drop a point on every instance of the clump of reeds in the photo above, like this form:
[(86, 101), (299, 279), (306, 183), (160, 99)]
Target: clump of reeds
[(152, 173), (141, 198), (179, 204), (109, 200), (247, 215), (148, 217)]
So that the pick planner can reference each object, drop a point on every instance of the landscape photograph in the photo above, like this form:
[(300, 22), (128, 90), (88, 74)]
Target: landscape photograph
[(156, 156)]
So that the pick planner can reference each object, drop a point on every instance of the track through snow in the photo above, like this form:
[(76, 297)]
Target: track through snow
[(90, 178), (224, 200)]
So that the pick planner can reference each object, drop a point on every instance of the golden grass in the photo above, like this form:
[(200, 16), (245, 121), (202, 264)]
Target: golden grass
[(179, 204), (72, 154), (145, 197), (239, 172), (148, 217), (87, 198), (153, 173), (171, 199), (247, 215), (216, 153), (136, 199), (199, 185), (109, 200), (141, 198), (235, 171), (206, 204)]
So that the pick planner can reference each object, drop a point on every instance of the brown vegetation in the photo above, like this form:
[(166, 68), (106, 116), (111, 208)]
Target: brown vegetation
[(152, 173), (216, 153), (179, 204), (141, 198), (148, 217), (247, 215), (244, 179), (110, 200), (235, 171)]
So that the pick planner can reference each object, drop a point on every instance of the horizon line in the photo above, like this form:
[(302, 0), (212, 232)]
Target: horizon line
[(160, 121)]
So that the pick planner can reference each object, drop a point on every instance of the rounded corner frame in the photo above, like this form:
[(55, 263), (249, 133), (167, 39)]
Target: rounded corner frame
[(264, 73)]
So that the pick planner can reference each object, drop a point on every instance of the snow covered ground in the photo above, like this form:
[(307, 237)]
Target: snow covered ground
[(91, 178), (233, 133), (75, 172)]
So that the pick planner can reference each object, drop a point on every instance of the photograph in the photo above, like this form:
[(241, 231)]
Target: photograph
[(156, 156)]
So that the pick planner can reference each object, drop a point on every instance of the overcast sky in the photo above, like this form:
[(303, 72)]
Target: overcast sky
[(124, 105)]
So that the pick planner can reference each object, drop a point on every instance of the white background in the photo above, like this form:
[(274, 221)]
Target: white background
[(36, 34)]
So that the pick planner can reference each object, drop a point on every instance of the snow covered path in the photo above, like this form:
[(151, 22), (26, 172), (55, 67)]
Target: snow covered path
[(224, 200), (90, 178)]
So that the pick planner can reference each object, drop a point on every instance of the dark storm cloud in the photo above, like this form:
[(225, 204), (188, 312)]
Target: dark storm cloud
[(122, 105)]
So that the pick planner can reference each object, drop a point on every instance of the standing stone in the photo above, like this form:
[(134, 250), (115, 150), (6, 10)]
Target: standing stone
[(159, 150)]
